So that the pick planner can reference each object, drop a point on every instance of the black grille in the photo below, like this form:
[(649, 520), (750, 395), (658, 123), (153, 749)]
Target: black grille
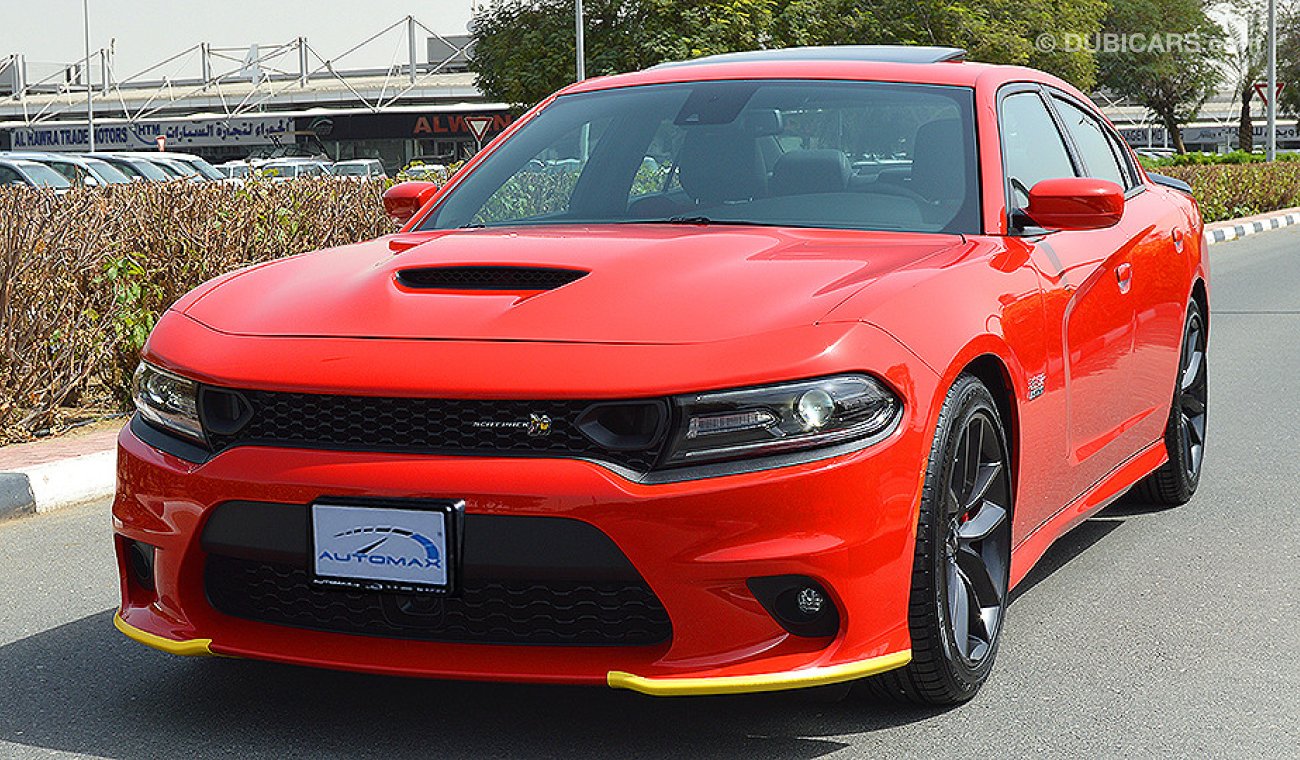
[(447, 426), (555, 612), (488, 278)]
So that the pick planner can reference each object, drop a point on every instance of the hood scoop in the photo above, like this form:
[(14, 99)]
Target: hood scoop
[(508, 279)]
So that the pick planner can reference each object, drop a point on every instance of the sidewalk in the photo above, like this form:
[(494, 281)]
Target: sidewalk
[(1221, 232), (59, 472)]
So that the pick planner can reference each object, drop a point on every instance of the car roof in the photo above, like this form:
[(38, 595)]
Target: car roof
[(37, 156), (875, 63), (873, 53)]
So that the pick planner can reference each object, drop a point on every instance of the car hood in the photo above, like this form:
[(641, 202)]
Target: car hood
[(653, 284)]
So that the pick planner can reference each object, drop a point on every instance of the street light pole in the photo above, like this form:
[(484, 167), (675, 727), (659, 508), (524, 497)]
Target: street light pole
[(1271, 152), (85, 73), (582, 53)]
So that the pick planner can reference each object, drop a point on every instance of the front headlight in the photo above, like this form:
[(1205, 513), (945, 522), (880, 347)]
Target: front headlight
[(168, 401), (780, 418)]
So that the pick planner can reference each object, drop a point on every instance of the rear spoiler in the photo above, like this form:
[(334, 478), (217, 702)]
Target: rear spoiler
[(1176, 184)]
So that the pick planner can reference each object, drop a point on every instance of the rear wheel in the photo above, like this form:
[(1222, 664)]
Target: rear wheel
[(1176, 480), (963, 550)]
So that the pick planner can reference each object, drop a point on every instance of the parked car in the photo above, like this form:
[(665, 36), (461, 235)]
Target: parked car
[(180, 165), (284, 169), (78, 170), (235, 170), (360, 169), (757, 422), (424, 172), (25, 173), (136, 169)]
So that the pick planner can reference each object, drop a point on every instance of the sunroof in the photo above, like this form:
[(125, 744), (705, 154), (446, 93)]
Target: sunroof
[(876, 53)]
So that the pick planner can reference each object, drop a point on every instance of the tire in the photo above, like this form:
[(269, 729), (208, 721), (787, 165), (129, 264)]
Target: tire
[(1174, 483), (963, 555)]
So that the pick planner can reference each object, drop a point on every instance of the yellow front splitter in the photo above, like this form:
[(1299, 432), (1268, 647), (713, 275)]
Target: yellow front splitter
[(794, 679), (186, 648)]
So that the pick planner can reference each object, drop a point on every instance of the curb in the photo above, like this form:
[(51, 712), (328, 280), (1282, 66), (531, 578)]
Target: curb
[(1221, 232), (54, 485)]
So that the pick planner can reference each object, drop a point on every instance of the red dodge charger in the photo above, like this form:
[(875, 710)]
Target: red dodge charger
[(752, 372)]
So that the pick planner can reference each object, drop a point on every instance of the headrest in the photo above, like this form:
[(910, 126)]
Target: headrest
[(800, 172), (939, 160), (721, 163)]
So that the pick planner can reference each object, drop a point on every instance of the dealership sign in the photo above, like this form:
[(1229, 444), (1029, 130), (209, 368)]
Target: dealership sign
[(144, 135), (476, 125), (1217, 135)]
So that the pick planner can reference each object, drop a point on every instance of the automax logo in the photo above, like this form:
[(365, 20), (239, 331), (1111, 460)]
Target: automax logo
[(375, 546)]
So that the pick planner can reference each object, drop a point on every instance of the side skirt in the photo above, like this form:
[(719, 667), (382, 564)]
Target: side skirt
[(1032, 547)]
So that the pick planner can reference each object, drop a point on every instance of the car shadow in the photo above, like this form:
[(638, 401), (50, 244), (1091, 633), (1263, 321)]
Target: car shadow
[(83, 687), (1082, 537)]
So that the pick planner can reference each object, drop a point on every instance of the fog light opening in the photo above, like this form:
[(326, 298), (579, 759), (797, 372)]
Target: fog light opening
[(139, 560)]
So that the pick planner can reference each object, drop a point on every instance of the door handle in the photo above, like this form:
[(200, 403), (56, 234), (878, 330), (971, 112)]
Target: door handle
[(1124, 274), (1178, 240)]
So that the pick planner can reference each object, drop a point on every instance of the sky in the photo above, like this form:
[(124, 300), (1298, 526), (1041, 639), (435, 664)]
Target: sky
[(144, 32)]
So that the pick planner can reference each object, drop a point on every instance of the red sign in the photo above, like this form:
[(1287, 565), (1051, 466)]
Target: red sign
[(1261, 89), (478, 126)]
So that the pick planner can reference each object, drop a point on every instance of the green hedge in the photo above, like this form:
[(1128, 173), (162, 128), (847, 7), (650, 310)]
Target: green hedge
[(1229, 191), (84, 276)]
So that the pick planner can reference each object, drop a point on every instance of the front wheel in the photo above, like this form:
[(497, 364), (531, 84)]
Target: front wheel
[(963, 555)]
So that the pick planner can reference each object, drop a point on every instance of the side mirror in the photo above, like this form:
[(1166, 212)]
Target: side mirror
[(404, 199), (1075, 203)]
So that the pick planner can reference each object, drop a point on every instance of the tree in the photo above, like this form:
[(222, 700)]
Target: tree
[(1245, 58), (1170, 75), (1288, 57), (525, 48)]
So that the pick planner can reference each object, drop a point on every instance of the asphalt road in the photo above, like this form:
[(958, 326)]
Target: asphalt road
[(1158, 634)]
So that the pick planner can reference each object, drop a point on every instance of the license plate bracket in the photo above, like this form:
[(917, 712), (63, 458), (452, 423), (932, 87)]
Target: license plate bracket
[(385, 546)]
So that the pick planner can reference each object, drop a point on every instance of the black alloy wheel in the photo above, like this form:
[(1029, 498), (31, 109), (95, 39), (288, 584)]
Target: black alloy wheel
[(1175, 482), (963, 555)]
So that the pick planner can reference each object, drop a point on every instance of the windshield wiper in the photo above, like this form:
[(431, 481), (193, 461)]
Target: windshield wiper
[(701, 220)]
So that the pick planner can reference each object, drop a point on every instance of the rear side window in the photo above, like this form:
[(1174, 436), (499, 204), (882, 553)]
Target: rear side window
[(1032, 147), (1097, 152)]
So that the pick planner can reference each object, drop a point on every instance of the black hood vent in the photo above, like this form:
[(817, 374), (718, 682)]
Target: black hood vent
[(499, 278)]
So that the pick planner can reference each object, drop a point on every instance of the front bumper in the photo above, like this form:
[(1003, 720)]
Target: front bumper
[(847, 522)]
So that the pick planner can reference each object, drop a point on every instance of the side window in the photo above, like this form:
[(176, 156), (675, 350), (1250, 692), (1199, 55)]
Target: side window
[(1032, 148), (1089, 137), (10, 177), (1125, 158)]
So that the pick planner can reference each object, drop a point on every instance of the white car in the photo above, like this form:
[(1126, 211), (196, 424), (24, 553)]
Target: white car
[(78, 170), (22, 172), (285, 169), (360, 169)]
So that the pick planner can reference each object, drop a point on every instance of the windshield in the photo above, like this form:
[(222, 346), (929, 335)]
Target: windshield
[(351, 170), (106, 172), (846, 155), (146, 168), (124, 166), (205, 169), (44, 176), (166, 168)]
